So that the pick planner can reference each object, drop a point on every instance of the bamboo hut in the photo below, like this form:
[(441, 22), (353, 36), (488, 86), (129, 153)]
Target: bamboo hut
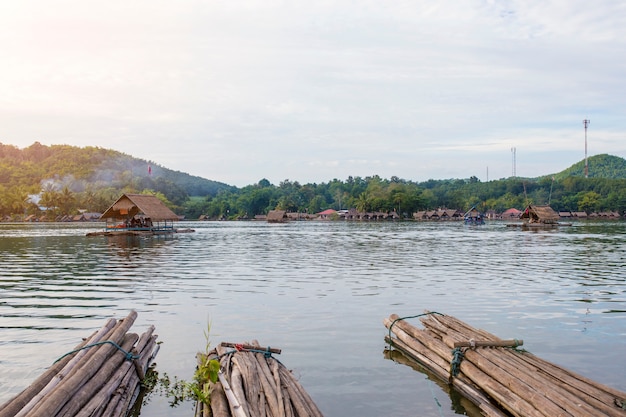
[(138, 214), (539, 214), (277, 216), (500, 379)]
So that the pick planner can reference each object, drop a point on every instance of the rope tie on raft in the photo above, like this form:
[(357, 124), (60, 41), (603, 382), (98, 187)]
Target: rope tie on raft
[(455, 363), (128, 355), (239, 347), (408, 317)]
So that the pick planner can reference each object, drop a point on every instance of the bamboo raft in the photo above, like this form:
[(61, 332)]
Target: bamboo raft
[(100, 377), (500, 379), (253, 383)]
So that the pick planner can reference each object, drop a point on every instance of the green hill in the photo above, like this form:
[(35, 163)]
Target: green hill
[(599, 166), (59, 180), (92, 175)]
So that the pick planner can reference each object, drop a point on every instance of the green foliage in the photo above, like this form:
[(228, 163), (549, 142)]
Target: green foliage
[(67, 179), (179, 390)]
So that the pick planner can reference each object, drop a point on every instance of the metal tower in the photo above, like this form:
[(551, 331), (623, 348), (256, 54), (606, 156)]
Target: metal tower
[(586, 123), (513, 152)]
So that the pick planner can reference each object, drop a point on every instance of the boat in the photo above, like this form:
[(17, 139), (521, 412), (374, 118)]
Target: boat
[(474, 217)]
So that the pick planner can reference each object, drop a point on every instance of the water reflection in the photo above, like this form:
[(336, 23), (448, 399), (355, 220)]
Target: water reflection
[(319, 291)]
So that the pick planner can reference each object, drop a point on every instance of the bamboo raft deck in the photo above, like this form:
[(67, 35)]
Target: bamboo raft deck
[(100, 377), (253, 383), (501, 380)]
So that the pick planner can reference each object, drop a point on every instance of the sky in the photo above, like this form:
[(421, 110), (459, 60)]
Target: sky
[(239, 91)]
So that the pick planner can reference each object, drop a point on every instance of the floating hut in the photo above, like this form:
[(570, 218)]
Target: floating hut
[(137, 214), (277, 216), (474, 217), (99, 378), (540, 215), (494, 374), (253, 383)]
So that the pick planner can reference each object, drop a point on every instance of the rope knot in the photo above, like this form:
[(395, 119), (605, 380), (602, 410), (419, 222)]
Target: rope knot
[(455, 364)]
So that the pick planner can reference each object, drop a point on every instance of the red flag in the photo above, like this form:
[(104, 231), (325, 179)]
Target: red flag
[(149, 170)]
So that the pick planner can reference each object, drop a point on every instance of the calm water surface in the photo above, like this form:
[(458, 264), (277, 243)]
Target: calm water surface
[(319, 291)]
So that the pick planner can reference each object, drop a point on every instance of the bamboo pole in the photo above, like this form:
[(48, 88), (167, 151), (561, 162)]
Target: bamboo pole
[(578, 400), (279, 391), (121, 377), (14, 405), (269, 388), (235, 406), (487, 343), (515, 379), (126, 397), (512, 402), (66, 389), (77, 357), (246, 346), (90, 387), (429, 351)]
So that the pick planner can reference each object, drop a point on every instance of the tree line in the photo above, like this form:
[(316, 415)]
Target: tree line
[(372, 194), (61, 180)]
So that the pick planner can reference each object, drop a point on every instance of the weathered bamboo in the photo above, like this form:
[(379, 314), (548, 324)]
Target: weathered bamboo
[(521, 383), (122, 376), (267, 388), (303, 404), (219, 403), (69, 364), (549, 403), (17, 403), (246, 346), (577, 401), (431, 355), (68, 387), (90, 387), (279, 392), (95, 380), (488, 343), (236, 407)]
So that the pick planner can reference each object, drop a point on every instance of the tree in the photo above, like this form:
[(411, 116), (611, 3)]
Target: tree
[(588, 201)]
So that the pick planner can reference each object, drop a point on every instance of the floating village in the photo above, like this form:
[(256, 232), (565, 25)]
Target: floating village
[(108, 372)]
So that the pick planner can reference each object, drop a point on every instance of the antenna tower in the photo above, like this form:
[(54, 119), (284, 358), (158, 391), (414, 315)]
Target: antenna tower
[(513, 152), (586, 123)]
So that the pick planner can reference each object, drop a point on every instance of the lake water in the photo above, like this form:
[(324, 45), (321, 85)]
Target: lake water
[(319, 291)]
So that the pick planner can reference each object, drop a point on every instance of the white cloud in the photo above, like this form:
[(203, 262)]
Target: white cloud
[(310, 91)]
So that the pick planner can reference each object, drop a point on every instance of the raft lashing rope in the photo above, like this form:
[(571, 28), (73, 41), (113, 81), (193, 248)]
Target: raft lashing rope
[(407, 317), (458, 353), (128, 355)]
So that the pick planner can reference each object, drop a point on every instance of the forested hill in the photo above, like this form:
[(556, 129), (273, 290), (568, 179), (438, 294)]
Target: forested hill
[(92, 167), (599, 166), (61, 180)]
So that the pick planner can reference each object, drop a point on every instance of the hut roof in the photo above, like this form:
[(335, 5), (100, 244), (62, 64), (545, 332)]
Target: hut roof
[(541, 214), (129, 205), (276, 216)]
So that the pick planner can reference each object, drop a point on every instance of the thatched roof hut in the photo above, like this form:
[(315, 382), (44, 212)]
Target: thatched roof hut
[(540, 214), (277, 216), (131, 205)]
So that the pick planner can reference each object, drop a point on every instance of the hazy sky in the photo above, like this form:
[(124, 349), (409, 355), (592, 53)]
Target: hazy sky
[(236, 91)]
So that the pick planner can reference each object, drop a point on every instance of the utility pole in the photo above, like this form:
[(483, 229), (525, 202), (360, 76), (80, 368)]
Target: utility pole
[(513, 152), (586, 123)]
